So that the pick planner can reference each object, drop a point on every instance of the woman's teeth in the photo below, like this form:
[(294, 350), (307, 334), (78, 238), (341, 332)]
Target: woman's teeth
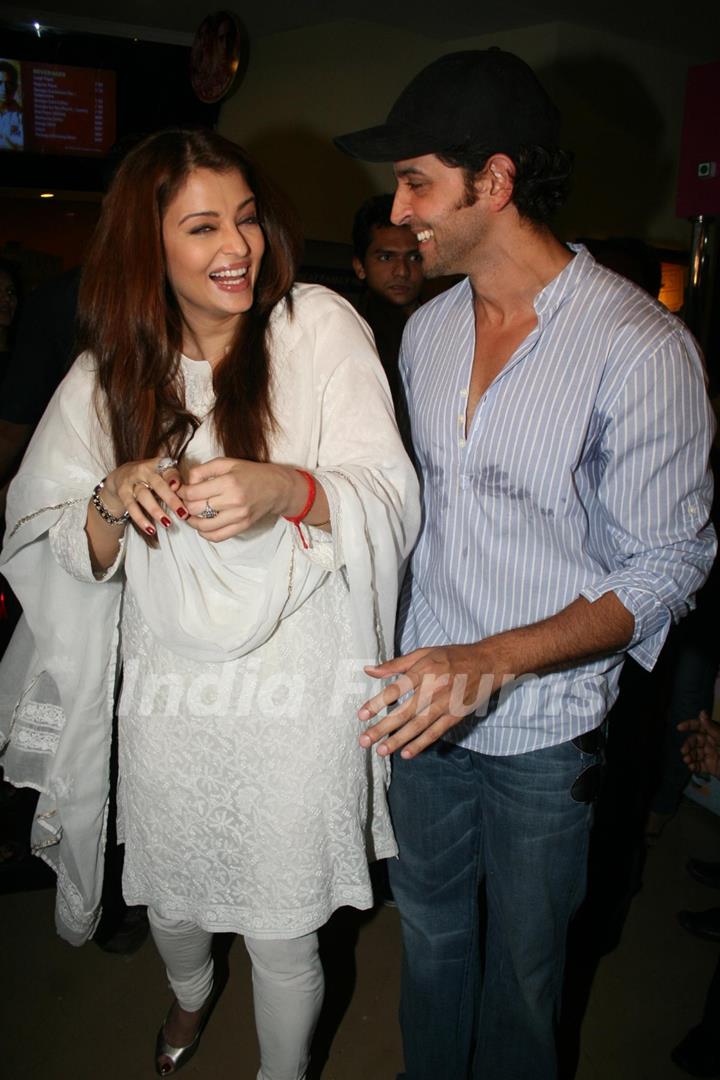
[(229, 275)]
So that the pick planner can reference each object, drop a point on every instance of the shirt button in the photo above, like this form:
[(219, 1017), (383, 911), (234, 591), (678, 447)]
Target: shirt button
[(463, 393), (461, 442)]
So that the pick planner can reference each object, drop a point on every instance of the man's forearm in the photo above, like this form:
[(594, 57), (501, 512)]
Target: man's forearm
[(579, 631), (443, 683)]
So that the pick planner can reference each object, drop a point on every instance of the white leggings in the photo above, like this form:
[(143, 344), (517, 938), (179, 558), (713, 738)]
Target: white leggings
[(288, 986)]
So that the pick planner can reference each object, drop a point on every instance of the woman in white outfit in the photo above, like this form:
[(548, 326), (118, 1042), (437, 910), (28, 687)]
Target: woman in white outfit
[(218, 496)]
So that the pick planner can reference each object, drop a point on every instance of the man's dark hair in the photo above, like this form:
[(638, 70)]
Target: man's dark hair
[(542, 177), (373, 214)]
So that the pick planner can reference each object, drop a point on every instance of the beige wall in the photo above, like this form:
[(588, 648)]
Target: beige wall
[(623, 107), (305, 86), (622, 103)]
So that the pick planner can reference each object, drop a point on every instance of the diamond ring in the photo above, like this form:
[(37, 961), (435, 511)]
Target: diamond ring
[(208, 512), (165, 463)]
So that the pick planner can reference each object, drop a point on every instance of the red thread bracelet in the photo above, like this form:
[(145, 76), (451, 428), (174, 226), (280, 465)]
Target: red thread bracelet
[(295, 519)]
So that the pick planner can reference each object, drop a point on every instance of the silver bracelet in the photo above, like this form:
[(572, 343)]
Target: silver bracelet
[(102, 509)]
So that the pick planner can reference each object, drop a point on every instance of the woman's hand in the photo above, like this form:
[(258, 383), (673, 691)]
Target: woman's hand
[(139, 487), (241, 493)]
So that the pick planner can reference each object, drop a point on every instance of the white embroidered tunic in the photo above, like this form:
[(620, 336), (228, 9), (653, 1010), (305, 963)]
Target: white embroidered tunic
[(245, 800)]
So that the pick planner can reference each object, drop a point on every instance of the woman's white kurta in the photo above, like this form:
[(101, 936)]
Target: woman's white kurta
[(245, 801)]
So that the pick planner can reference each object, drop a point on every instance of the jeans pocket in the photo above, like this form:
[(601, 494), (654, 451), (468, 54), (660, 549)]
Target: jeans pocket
[(587, 784)]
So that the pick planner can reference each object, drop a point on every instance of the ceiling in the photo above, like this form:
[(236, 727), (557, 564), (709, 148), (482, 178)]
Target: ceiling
[(688, 26)]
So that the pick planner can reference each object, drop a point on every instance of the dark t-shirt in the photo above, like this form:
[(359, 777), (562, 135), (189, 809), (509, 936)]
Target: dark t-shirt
[(387, 323)]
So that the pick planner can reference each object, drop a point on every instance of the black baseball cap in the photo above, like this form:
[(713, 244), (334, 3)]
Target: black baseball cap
[(481, 97)]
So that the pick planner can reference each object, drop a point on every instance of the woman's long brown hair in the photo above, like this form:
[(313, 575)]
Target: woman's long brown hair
[(129, 318)]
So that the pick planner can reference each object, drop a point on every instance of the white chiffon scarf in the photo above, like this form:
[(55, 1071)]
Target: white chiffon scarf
[(211, 602)]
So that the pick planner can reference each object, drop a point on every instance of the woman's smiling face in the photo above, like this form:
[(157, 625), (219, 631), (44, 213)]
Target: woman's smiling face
[(213, 245)]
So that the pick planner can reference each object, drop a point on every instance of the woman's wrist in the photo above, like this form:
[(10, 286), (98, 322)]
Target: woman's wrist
[(113, 503), (304, 501), (110, 495), (304, 494), (106, 509), (292, 492)]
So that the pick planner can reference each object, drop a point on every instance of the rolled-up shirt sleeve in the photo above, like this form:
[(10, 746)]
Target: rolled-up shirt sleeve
[(656, 492)]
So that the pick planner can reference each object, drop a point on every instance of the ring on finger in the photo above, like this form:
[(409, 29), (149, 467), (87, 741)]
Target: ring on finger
[(165, 463), (139, 483), (208, 512)]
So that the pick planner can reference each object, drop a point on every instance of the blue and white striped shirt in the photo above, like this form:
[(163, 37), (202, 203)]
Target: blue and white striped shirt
[(584, 471)]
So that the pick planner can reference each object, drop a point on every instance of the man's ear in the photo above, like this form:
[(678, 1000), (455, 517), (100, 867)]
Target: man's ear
[(500, 176), (358, 268)]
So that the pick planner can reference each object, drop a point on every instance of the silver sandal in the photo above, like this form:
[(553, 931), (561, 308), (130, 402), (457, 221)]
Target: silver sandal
[(179, 1055)]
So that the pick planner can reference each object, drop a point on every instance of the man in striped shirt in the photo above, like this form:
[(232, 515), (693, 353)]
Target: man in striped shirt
[(562, 429)]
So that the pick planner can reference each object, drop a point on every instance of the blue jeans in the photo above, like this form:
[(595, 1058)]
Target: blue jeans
[(461, 819)]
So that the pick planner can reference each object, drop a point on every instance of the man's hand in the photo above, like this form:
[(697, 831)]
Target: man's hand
[(448, 682), (445, 684), (701, 750)]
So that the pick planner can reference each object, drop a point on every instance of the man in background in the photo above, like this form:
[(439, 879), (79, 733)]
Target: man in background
[(387, 260)]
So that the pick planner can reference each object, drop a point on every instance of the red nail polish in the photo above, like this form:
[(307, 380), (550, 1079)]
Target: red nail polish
[(166, 522), (181, 512), (150, 530), (173, 484)]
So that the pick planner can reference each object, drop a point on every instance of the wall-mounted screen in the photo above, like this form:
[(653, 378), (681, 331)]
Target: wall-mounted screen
[(56, 109), (81, 99)]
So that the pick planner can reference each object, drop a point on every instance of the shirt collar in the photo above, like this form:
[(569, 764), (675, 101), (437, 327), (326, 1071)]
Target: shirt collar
[(549, 299)]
